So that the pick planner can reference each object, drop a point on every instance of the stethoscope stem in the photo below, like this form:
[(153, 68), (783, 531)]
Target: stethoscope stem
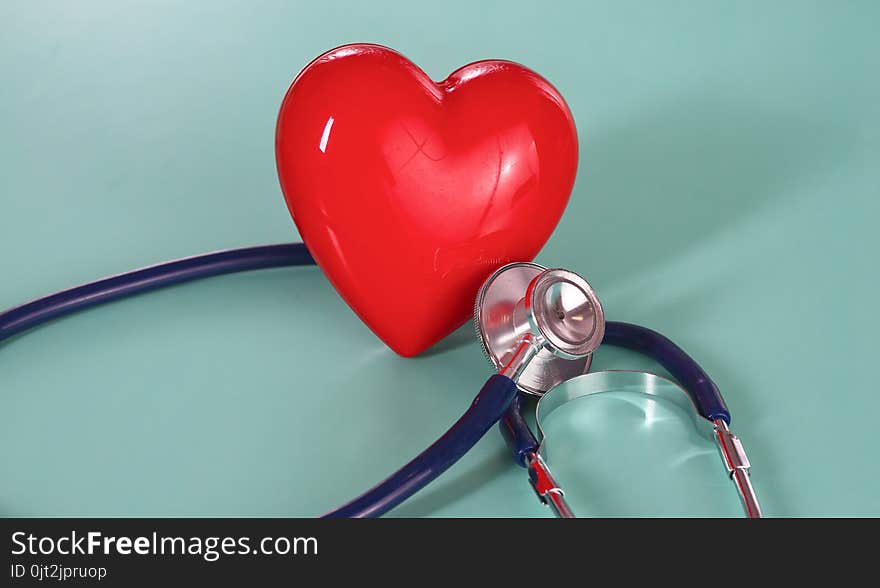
[(743, 482), (546, 487), (737, 462), (557, 504), (519, 361)]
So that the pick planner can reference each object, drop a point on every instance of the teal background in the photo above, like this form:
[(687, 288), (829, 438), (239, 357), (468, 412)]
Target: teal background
[(727, 196)]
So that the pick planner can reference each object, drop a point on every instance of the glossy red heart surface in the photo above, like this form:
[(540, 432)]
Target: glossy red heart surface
[(409, 193)]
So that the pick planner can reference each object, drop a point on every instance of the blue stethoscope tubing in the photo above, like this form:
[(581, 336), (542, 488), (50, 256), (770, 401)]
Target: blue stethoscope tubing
[(498, 400)]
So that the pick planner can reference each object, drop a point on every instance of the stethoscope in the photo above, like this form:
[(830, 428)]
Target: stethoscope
[(538, 327)]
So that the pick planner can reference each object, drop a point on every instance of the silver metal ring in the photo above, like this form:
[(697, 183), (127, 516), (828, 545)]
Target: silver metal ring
[(617, 381)]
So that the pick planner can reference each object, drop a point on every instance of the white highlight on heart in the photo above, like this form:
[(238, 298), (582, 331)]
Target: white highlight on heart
[(326, 136)]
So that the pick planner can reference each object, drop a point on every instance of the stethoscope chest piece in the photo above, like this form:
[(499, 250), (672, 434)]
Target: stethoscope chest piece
[(555, 305)]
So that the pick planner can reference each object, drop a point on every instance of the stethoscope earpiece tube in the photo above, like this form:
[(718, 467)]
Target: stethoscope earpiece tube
[(488, 406), (695, 381)]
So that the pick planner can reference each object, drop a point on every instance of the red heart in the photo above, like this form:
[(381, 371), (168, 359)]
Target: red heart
[(409, 193)]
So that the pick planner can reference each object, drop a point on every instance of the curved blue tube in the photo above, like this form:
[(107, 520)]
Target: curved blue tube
[(498, 396), (673, 358), (36, 312), (489, 405), (487, 408)]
